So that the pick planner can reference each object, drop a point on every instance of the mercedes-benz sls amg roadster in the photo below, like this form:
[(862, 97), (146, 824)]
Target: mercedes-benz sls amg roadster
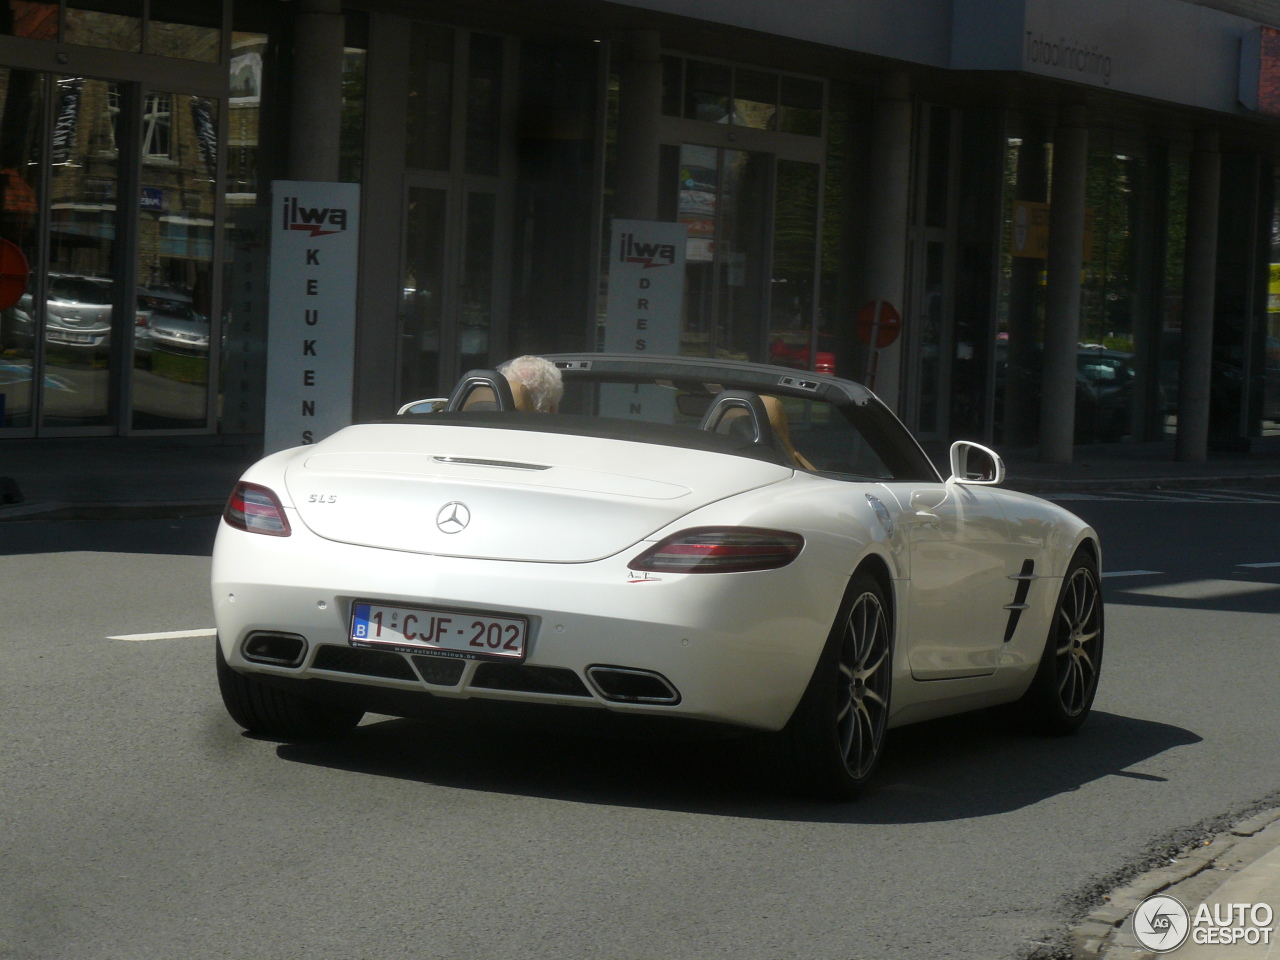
[(752, 547)]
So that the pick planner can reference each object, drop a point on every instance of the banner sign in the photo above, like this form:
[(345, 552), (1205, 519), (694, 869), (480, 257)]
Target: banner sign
[(312, 311), (644, 309), (64, 127), (206, 134)]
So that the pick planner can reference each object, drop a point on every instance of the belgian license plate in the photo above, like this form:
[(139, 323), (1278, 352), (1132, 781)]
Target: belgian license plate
[(72, 337), (414, 629)]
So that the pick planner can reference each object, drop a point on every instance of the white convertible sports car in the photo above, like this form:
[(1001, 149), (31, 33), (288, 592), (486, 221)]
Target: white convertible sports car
[(760, 548)]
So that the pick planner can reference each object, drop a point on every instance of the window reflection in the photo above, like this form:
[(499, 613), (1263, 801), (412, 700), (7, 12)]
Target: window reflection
[(795, 227), (422, 295), (430, 108), (113, 24), (186, 29), (175, 258), (32, 19), (477, 281), (83, 260), (484, 103), (242, 371), (21, 120)]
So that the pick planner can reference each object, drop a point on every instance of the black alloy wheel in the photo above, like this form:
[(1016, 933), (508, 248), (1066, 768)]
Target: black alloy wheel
[(837, 733), (1066, 682)]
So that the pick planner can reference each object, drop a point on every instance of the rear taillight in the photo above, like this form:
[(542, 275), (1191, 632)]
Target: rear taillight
[(721, 550), (256, 509)]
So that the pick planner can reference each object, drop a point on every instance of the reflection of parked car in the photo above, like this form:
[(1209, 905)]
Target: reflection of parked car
[(172, 324), (1104, 391), (797, 355), (78, 313), (1226, 379)]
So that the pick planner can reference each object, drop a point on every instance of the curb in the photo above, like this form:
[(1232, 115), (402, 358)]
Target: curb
[(1037, 484), (112, 510), (1102, 934)]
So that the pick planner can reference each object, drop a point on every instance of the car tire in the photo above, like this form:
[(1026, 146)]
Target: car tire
[(1061, 695), (836, 735), (273, 712)]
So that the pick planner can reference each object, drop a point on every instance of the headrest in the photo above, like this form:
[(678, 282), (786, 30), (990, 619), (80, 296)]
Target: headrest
[(520, 393), (782, 429)]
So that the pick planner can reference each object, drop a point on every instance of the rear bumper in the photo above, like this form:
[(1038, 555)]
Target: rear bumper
[(738, 648)]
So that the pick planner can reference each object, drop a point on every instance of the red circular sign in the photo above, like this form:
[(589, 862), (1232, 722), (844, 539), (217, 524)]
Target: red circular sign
[(887, 326), (14, 273)]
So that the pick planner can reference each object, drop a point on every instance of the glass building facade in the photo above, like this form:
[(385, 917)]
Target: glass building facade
[(139, 139)]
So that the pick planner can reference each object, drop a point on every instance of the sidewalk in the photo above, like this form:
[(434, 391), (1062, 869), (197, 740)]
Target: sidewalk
[(137, 477), (123, 477)]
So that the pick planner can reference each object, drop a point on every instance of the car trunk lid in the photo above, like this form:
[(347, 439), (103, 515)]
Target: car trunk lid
[(506, 494)]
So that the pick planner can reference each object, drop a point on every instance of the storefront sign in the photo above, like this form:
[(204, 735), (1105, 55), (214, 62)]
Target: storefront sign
[(1167, 50), (642, 316), (153, 199), (312, 311)]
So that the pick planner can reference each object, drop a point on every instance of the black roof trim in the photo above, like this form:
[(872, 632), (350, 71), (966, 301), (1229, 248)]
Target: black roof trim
[(762, 377)]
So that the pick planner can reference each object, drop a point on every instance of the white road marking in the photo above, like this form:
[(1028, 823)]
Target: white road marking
[(1131, 573), (1259, 566), (170, 635)]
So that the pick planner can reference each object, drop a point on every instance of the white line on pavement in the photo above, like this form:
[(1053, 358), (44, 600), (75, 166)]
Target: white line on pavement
[(1259, 566), (1132, 573), (170, 635)]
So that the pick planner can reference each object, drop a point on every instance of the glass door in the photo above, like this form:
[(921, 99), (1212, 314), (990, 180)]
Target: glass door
[(724, 200), (113, 331), (930, 296), (174, 267), (457, 185)]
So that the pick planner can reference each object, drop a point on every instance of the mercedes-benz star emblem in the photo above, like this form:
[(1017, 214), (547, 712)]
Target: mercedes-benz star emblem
[(453, 517)]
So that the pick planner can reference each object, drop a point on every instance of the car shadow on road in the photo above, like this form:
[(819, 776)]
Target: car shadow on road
[(969, 766)]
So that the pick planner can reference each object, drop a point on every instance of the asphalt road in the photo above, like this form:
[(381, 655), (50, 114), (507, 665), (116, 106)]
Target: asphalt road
[(139, 822)]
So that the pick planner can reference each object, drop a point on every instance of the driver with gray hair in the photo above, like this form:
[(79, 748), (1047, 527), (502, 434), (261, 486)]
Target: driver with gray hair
[(540, 377)]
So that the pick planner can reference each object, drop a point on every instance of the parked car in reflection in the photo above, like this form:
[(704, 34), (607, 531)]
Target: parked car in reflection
[(792, 354), (1104, 391), (78, 314), (171, 325)]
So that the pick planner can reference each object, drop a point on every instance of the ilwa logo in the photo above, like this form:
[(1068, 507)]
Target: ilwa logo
[(649, 254), (318, 220)]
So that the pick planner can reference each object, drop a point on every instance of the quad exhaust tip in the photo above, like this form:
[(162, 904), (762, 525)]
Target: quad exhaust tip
[(629, 685), (276, 649)]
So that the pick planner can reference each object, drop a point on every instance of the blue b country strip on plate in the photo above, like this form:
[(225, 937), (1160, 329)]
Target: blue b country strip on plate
[(415, 629)]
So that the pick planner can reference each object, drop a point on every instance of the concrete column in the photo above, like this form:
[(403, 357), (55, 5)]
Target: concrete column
[(639, 113), (316, 123), (1062, 307), (889, 212), (1195, 366)]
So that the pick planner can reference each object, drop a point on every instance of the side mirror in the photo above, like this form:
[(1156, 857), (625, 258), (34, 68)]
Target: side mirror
[(422, 406), (975, 464)]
